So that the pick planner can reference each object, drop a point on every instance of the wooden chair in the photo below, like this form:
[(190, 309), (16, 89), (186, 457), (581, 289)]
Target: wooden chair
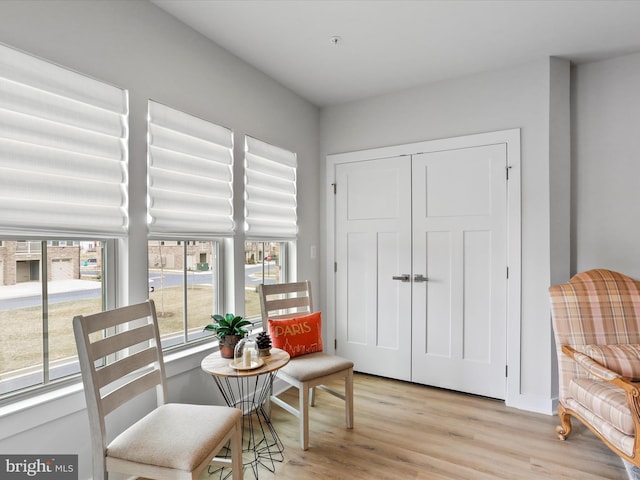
[(596, 323), (306, 372), (120, 358)]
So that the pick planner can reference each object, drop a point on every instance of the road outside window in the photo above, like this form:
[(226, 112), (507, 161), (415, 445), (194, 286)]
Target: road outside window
[(183, 278), (264, 262), (37, 345)]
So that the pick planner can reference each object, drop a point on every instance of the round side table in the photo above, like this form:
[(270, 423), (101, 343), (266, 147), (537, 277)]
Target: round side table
[(248, 390)]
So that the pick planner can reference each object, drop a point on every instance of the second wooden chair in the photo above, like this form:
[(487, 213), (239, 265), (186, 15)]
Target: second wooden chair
[(310, 371)]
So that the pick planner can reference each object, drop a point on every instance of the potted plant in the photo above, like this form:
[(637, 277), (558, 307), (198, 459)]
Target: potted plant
[(229, 330)]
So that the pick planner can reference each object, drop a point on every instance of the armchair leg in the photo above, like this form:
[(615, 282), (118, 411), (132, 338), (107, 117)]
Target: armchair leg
[(564, 429)]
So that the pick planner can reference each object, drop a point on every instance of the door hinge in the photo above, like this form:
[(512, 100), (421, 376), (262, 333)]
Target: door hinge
[(335, 343), (508, 168), (507, 272), (335, 187), (335, 267), (506, 370)]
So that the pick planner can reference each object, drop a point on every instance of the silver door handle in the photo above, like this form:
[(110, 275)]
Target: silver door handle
[(405, 277), (418, 277)]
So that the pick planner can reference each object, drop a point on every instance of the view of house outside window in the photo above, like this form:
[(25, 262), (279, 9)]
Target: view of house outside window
[(37, 344), (264, 263), (183, 283)]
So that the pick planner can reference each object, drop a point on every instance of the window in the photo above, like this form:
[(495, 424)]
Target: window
[(265, 262), (184, 284), (190, 176), (269, 191), (63, 199), (37, 345), (190, 211), (63, 151), (270, 217)]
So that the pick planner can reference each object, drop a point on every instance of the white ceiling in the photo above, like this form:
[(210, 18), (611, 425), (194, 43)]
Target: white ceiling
[(389, 45)]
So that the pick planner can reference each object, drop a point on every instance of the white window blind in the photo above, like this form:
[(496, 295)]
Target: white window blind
[(269, 191), (190, 175), (63, 150)]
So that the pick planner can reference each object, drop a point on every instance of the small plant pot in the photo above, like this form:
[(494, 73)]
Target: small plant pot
[(264, 352), (228, 344)]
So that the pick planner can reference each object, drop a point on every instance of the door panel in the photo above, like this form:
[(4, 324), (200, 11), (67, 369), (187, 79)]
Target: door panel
[(456, 184), (373, 244), (435, 335), (390, 334), (477, 297), (438, 215), (360, 247), (459, 243)]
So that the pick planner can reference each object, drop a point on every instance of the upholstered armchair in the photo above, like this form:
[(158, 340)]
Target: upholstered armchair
[(596, 323)]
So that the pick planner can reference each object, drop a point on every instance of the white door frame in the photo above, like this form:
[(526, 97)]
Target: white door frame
[(514, 236)]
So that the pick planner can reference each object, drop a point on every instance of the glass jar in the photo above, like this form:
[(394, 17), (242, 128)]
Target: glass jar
[(245, 354)]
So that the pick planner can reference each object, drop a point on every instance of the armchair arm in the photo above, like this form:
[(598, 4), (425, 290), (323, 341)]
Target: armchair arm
[(603, 373), (632, 392), (590, 365)]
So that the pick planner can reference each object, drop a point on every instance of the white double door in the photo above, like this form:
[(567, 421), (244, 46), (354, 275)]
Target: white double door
[(421, 267)]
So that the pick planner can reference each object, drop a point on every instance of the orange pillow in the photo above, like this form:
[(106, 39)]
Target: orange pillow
[(298, 335)]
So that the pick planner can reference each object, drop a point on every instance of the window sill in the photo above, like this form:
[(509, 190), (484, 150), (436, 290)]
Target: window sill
[(42, 408)]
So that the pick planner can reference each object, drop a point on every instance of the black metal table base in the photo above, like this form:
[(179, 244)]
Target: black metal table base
[(261, 446)]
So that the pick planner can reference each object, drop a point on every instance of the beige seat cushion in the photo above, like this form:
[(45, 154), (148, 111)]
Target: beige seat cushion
[(314, 365), (604, 400), (175, 435)]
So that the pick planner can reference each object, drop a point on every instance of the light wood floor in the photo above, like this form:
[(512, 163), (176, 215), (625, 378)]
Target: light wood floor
[(406, 431)]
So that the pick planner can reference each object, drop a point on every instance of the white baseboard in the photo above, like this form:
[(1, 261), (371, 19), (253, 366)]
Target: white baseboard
[(536, 404)]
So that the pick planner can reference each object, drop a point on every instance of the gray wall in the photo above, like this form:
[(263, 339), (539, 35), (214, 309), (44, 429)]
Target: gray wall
[(606, 165), (136, 46), (575, 216), (514, 98)]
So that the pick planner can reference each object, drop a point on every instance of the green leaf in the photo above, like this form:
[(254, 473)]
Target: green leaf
[(229, 324)]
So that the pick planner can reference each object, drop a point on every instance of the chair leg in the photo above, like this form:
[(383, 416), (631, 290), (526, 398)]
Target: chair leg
[(304, 416), (348, 398), (564, 429), (236, 453)]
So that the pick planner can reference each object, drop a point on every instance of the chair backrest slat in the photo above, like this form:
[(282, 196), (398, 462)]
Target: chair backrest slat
[(120, 341), (129, 390), (114, 371), (285, 300), (111, 318), (287, 303)]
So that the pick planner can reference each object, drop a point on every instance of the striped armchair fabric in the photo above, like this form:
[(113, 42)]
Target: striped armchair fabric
[(596, 324)]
